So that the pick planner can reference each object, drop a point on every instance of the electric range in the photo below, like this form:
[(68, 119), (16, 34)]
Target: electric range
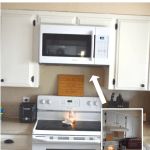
[(67, 123)]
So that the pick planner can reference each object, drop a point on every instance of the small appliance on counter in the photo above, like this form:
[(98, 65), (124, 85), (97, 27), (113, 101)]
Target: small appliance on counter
[(27, 112), (119, 103), (131, 143)]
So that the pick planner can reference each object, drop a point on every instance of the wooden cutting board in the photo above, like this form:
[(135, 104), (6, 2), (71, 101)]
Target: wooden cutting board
[(70, 85)]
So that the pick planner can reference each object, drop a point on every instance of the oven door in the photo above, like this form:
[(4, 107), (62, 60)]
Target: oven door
[(66, 44)]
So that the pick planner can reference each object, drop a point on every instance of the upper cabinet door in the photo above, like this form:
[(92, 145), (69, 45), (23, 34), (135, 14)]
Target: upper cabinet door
[(129, 126), (111, 118), (121, 121), (18, 69), (133, 41), (98, 20), (57, 18)]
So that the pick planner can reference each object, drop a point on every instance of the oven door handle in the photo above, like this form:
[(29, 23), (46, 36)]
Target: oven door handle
[(40, 139), (46, 139)]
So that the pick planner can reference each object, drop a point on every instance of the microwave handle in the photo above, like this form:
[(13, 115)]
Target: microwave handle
[(92, 45)]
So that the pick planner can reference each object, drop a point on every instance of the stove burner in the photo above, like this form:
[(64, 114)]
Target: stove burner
[(64, 125)]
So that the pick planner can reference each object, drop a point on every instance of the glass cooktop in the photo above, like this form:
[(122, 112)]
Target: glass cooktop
[(58, 125)]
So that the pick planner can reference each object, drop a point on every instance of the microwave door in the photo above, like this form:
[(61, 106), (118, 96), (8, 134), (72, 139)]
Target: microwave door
[(71, 45)]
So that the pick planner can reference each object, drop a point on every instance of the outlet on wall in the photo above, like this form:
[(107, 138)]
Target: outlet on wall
[(25, 99)]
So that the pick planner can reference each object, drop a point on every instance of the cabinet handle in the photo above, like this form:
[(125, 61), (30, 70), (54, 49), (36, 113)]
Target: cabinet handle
[(2, 80), (8, 141), (142, 85), (34, 22), (32, 78)]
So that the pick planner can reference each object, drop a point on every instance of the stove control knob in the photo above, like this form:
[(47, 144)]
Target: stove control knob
[(48, 101), (89, 103), (95, 103), (42, 101)]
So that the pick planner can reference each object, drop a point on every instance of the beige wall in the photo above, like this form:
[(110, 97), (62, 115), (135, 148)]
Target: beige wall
[(112, 8), (11, 97)]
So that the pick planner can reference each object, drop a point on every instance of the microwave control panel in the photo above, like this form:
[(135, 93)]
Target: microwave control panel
[(102, 45)]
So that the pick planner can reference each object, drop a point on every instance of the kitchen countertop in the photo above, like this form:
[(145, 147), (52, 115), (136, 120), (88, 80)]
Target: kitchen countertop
[(20, 133), (13, 126)]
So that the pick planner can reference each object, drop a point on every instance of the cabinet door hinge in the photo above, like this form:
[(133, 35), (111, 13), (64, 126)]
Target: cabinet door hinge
[(105, 117), (116, 26), (34, 22), (32, 78), (113, 82)]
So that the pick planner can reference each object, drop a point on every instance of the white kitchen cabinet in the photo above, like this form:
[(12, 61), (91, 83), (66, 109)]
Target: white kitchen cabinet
[(18, 66), (132, 56), (136, 126), (126, 122), (110, 118), (114, 119), (21, 142), (120, 120), (76, 18), (133, 126), (56, 18), (97, 19), (129, 133)]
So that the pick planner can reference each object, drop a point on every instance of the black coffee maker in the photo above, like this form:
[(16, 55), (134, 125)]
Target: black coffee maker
[(119, 103), (27, 112)]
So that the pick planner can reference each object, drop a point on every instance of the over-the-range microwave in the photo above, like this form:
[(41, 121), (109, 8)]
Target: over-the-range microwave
[(68, 44)]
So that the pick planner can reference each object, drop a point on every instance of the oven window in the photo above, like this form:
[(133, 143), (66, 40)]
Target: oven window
[(66, 45)]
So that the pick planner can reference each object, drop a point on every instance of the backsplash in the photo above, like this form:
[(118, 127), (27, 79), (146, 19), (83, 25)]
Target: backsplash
[(12, 96)]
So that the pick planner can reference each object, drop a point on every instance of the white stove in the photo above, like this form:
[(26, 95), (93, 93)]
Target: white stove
[(67, 123)]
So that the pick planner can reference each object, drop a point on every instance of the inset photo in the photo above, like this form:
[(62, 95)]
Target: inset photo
[(122, 129)]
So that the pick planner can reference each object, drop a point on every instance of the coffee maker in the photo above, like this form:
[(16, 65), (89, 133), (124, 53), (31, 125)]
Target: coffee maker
[(27, 111)]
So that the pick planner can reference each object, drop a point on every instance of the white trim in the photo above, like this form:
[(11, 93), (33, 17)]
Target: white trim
[(126, 109)]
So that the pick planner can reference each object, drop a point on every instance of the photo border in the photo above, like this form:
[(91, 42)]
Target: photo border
[(102, 109)]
